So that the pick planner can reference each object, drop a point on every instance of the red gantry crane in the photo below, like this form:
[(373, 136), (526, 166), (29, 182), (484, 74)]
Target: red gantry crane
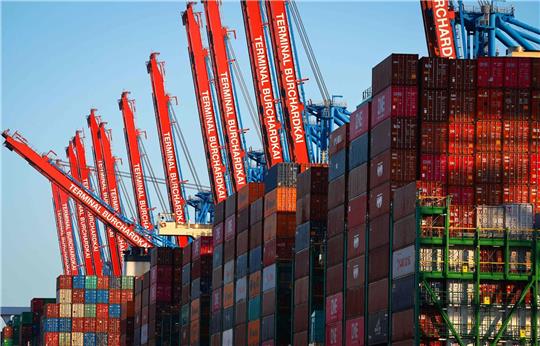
[(112, 184), (63, 203), (438, 17), (99, 161), (225, 94), (264, 91), (84, 178), (133, 233), (288, 84), (66, 265), (166, 141), (201, 81)]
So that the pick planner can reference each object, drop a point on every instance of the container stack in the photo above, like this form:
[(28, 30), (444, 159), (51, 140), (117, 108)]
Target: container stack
[(278, 238), (335, 261), (141, 309), (217, 274), (256, 211), (37, 307), (185, 300), (308, 298), (7, 335), (246, 197), (87, 310)]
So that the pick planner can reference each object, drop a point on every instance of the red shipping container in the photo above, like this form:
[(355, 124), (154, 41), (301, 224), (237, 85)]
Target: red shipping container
[(461, 138), (339, 139), (301, 317), (355, 301), (433, 167), (52, 310), (489, 194), (216, 299), (535, 73), (354, 335), (300, 339), (462, 74), (277, 249), (434, 105), (102, 310), (517, 73), (431, 188), (161, 274), (489, 104), (126, 296), (281, 199), (335, 249), (516, 136), (461, 106), (395, 133), (489, 135), (462, 216), (515, 193), (356, 241), (359, 121), (336, 221), (488, 167), (434, 137), (89, 325), (378, 264), (253, 333), (490, 72), (392, 165), (379, 200), (114, 326), (217, 233), (461, 194), (229, 228), (357, 180), (379, 228), (534, 164), (516, 168), (248, 194), (334, 334), (460, 169), (102, 282), (334, 279), (77, 296), (242, 243), (394, 101), (202, 246), (114, 296), (355, 272), (357, 208), (279, 225), (516, 103), (77, 324), (403, 325), (51, 338), (337, 192), (535, 104), (334, 308), (102, 325), (434, 72), (64, 282), (378, 295)]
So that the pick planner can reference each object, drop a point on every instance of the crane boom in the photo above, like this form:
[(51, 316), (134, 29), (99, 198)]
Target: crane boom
[(81, 215), (132, 232), (226, 98), (173, 174), (60, 230), (264, 91), (103, 189), (68, 230), (288, 85), (112, 184), (438, 17), (84, 178), (201, 82), (135, 163)]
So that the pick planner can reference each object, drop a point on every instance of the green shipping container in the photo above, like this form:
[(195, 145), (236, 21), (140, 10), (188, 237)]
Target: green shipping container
[(254, 308), (89, 310), (90, 282), (27, 317), (128, 282)]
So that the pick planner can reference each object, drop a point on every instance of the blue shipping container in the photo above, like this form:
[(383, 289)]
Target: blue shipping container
[(78, 281), (102, 296), (64, 325), (89, 339), (115, 310), (90, 296)]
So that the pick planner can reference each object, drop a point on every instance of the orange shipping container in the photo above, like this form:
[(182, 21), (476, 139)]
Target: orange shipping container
[(279, 200), (253, 332), (280, 225), (228, 295)]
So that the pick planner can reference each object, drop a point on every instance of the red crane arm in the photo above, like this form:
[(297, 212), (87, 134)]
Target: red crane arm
[(75, 190), (104, 189), (135, 164), (437, 17), (260, 69), (166, 141), (81, 215), (68, 230), (226, 98), (60, 230), (112, 184), (201, 82), (84, 175), (288, 84)]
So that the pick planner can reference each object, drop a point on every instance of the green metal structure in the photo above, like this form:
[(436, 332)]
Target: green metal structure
[(488, 314)]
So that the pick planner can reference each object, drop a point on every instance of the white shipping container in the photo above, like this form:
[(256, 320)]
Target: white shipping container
[(461, 260), (520, 324), (77, 310), (431, 259), (241, 289), (228, 272), (462, 318), (269, 277), (520, 260), (490, 321), (65, 310), (488, 216), (403, 262), (460, 292), (227, 338), (518, 216)]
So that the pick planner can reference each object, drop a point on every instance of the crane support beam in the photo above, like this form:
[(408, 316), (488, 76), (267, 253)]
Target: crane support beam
[(173, 174), (84, 178), (99, 161), (82, 223), (112, 185), (287, 79), (78, 192), (66, 265), (226, 98), (201, 81), (264, 92), (135, 163)]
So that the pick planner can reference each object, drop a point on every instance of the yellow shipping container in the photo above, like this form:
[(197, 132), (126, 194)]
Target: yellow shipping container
[(77, 310), (77, 339), (65, 339), (64, 296), (65, 310)]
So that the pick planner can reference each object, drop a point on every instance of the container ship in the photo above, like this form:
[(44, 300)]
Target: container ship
[(412, 220)]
